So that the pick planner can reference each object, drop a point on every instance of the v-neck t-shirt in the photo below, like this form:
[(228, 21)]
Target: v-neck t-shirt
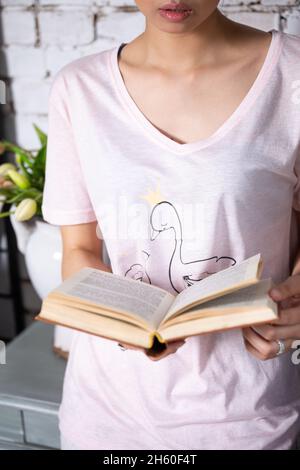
[(170, 215)]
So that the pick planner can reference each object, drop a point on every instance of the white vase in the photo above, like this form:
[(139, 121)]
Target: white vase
[(43, 255), (41, 245)]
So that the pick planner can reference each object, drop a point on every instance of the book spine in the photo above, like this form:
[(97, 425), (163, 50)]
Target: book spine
[(157, 345), (155, 335)]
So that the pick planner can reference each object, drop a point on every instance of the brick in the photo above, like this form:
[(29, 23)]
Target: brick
[(56, 57), (121, 3), (259, 20), (225, 3), (18, 26), (99, 45), (21, 3), (121, 26), (18, 61), (68, 27), (292, 23), (67, 2), (280, 2), (30, 96)]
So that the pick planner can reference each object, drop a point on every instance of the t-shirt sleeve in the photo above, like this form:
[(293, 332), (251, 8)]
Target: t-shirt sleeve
[(65, 196), (296, 194)]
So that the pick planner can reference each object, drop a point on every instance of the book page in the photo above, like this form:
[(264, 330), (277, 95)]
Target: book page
[(118, 293), (218, 284), (95, 324), (253, 297)]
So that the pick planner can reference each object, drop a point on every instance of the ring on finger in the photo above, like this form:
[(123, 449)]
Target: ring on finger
[(281, 347)]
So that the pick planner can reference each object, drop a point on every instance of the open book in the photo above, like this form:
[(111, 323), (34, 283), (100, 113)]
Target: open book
[(126, 310)]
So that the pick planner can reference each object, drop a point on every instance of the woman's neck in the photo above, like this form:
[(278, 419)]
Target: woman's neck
[(183, 53)]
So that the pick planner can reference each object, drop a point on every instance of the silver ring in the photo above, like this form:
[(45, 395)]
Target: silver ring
[(281, 347), (121, 347)]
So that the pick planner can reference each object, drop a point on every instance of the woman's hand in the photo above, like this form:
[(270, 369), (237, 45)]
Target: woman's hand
[(261, 340), (171, 348)]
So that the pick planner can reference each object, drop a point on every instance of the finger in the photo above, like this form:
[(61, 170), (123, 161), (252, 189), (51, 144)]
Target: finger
[(252, 350), (171, 348), (290, 302), (156, 356), (175, 344), (265, 349), (271, 348), (288, 316), (274, 332), (288, 288)]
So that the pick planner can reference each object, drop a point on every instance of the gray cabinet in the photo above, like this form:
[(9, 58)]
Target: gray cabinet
[(30, 391)]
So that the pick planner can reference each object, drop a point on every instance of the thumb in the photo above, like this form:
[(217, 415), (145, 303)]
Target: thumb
[(288, 288)]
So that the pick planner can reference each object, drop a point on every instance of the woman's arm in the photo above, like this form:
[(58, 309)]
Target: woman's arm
[(81, 247)]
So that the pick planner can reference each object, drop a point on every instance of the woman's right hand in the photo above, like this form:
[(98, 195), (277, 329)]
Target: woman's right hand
[(171, 348)]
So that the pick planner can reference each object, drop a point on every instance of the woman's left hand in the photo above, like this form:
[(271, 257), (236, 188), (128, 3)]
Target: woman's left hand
[(262, 340)]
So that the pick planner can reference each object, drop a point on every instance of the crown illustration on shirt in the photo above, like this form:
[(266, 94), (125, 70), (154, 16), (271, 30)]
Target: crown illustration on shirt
[(155, 196)]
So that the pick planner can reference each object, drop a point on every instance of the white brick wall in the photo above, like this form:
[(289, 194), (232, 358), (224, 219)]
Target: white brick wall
[(40, 36), (66, 26)]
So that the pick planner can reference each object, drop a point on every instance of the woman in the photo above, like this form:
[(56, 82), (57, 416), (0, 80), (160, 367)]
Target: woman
[(196, 119)]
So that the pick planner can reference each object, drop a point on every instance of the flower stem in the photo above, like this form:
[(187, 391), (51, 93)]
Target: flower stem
[(5, 214)]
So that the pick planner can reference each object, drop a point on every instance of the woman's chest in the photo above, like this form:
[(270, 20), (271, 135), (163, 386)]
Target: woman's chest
[(186, 115), (191, 108), (123, 161)]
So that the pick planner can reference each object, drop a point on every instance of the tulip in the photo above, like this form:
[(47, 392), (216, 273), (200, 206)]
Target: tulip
[(20, 180), (5, 167), (25, 210)]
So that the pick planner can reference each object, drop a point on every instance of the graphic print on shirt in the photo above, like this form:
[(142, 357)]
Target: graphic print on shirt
[(164, 216), (138, 271)]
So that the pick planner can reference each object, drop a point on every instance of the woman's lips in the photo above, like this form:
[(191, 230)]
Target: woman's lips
[(175, 15), (178, 6)]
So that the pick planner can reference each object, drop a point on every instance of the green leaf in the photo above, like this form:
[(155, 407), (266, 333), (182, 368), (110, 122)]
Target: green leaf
[(27, 170), (40, 161), (6, 192), (41, 135), (30, 163)]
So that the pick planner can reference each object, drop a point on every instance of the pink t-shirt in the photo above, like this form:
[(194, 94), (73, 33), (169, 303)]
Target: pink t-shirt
[(171, 214)]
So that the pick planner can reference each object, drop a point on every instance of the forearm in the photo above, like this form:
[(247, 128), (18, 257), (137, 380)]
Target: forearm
[(79, 258)]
